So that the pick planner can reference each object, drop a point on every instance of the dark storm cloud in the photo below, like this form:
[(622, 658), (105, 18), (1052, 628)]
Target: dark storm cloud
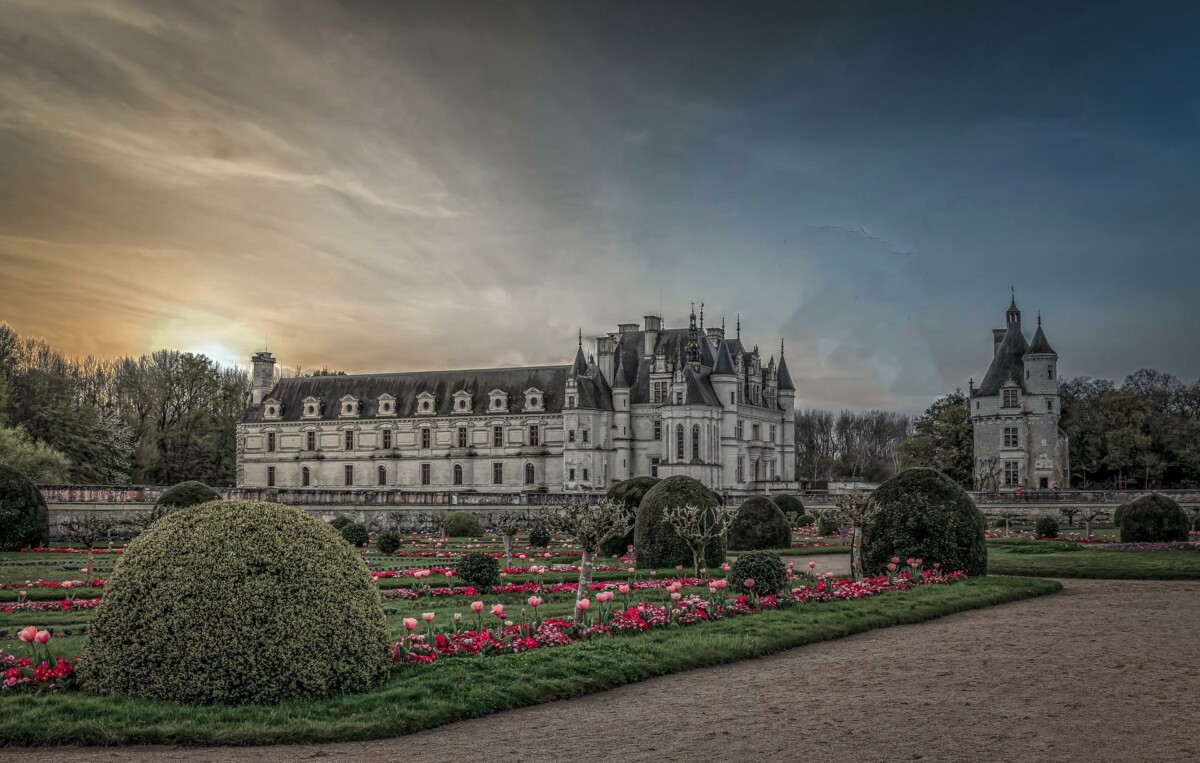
[(415, 185)]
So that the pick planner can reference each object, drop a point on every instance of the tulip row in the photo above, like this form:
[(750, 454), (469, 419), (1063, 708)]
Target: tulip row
[(507, 636), (48, 675)]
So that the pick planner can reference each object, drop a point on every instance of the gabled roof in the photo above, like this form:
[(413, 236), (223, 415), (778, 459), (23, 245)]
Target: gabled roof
[(1008, 363)]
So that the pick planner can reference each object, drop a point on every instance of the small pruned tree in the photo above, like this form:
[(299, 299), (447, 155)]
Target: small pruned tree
[(857, 510), (588, 523), (1090, 515), (1069, 513), (87, 529), (698, 526), (508, 524)]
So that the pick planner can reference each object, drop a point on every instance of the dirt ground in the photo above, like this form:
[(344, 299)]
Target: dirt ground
[(1104, 670)]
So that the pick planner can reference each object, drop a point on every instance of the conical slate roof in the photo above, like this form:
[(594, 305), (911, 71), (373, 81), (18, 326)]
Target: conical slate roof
[(1008, 363), (1040, 345), (579, 367), (620, 378), (785, 378), (724, 361)]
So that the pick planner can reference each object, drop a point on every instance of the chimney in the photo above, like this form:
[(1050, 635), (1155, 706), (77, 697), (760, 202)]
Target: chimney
[(605, 348), (262, 375), (653, 326), (715, 333)]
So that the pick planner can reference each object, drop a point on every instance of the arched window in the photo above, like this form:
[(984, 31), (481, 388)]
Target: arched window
[(305, 478), (695, 442), (382, 475), (529, 474), (458, 474), (679, 442)]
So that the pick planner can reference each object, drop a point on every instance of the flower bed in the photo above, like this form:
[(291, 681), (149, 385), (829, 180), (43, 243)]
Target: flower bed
[(68, 584), (1189, 546), (508, 637), (66, 605), (40, 671), (69, 550)]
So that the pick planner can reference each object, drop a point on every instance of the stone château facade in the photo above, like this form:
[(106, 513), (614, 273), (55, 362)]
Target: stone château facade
[(1015, 413), (650, 401)]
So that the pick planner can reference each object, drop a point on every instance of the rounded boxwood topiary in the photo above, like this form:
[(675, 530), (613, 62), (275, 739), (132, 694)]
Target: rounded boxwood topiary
[(462, 524), (805, 520), (1154, 518), (1119, 514), (766, 569), (654, 540), (24, 518), (629, 492), (791, 506), (759, 524), (1046, 527), (539, 537), (925, 514), (827, 526), (190, 493), (339, 522), (479, 570), (203, 608), (388, 543), (356, 535)]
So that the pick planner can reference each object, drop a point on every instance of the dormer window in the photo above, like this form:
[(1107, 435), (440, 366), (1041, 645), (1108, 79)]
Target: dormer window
[(535, 400), (349, 406), (1011, 398), (272, 408), (312, 408), (387, 405), (426, 404), (498, 401), (462, 402)]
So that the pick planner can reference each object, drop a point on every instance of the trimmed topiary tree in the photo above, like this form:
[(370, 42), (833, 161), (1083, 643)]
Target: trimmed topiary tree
[(1119, 514), (462, 524), (766, 569), (805, 520), (629, 492), (791, 506), (203, 608), (827, 526), (654, 540), (355, 534), (1046, 527), (925, 514), (539, 537), (183, 495), (340, 521), (759, 524), (389, 542), (1154, 518), (24, 518), (479, 570)]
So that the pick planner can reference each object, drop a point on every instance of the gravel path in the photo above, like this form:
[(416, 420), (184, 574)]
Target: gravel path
[(1104, 670)]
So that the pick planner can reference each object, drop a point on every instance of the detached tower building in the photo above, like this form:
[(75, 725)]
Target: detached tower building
[(1015, 413)]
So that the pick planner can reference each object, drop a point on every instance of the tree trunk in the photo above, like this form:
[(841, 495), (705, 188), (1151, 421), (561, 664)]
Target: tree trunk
[(856, 565), (698, 557), (1087, 523), (585, 582), (508, 543)]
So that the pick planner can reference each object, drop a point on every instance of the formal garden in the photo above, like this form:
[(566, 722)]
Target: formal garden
[(220, 622)]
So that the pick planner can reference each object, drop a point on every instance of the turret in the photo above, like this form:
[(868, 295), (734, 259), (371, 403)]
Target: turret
[(1040, 365), (262, 375)]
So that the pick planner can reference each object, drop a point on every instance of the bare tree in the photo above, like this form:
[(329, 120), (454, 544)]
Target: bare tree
[(1090, 515), (857, 510), (989, 470), (508, 524), (1069, 514), (87, 529), (698, 526), (588, 524)]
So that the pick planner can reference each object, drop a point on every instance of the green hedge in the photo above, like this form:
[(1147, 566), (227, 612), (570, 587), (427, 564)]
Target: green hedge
[(629, 492), (926, 515), (183, 495), (1154, 518), (462, 524), (24, 518), (237, 603), (655, 542), (759, 524), (791, 506)]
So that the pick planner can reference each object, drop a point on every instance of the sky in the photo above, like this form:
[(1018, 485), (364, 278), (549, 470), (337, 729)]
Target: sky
[(422, 185)]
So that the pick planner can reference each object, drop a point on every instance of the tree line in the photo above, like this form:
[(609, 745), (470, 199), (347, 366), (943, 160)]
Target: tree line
[(848, 444)]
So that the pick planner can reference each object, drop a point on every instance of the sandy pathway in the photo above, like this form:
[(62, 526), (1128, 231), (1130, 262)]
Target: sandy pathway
[(1103, 671)]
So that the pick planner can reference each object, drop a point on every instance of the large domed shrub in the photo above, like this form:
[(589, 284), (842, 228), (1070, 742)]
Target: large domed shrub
[(236, 603), (791, 506), (1119, 514), (629, 492), (479, 570), (654, 540), (1154, 518), (462, 524), (926, 515), (355, 534), (24, 518), (190, 493), (1046, 527), (389, 542), (539, 537), (759, 524), (767, 571)]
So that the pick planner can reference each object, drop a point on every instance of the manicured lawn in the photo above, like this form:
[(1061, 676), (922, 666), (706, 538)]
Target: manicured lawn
[(420, 697), (1095, 563)]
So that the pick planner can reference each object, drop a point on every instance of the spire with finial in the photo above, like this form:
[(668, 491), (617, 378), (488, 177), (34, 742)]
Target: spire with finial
[(701, 316), (693, 343), (739, 326), (1013, 315), (581, 337)]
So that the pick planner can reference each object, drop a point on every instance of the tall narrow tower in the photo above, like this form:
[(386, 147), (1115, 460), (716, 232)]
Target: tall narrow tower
[(262, 375)]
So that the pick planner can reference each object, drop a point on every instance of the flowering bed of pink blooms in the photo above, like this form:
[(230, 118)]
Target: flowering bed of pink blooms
[(65, 605), (65, 550), (93, 583), (39, 671), (508, 637)]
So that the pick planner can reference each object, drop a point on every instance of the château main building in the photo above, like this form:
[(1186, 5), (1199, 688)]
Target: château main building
[(650, 401)]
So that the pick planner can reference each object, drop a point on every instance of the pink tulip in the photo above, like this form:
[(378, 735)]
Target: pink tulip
[(891, 567), (653, 574), (725, 567), (42, 637), (812, 565), (629, 549), (624, 589), (918, 564), (895, 560), (791, 565), (748, 582), (27, 634), (67, 584), (676, 596), (498, 610), (911, 561), (535, 601), (679, 568), (583, 605), (410, 623), (477, 606), (427, 617), (703, 571)]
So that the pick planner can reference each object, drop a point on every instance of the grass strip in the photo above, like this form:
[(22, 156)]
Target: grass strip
[(422, 697), (1098, 563)]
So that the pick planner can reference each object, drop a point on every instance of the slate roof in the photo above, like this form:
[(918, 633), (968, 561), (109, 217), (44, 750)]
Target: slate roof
[(1007, 363), (724, 360), (405, 387), (1040, 345), (785, 378)]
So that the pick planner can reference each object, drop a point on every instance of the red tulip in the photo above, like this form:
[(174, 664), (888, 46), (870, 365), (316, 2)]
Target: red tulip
[(410, 623), (42, 637)]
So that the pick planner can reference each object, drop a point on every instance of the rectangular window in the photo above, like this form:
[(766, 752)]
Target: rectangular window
[(731, 398), (426, 437), (657, 429), (424, 474), (740, 430), (772, 433), (382, 475), (387, 439), (349, 436), (270, 476), (772, 470), (534, 435), (585, 435), (653, 466), (570, 401), (741, 469), (570, 475), (1050, 372), (349, 474), (571, 435), (497, 437), (458, 474), (312, 440), (497, 474), (678, 398), (585, 475), (1012, 473), (270, 442), (1010, 437), (1010, 398), (755, 430), (1049, 405), (462, 437)]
